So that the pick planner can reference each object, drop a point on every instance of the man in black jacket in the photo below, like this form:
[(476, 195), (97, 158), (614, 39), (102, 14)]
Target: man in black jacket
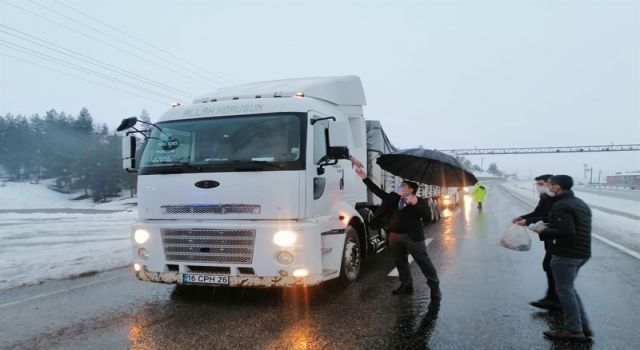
[(541, 213), (405, 213), (570, 231)]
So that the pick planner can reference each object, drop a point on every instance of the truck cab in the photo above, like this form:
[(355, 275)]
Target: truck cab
[(252, 186)]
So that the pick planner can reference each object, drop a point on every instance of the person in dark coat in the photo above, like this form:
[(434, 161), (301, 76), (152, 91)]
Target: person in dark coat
[(541, 213), (569, 230), (405, 214)]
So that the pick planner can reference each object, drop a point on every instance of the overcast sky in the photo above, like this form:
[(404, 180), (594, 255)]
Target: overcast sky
[(442, 74)]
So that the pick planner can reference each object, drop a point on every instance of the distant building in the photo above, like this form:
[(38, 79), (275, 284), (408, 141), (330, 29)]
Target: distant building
[(624, 180)]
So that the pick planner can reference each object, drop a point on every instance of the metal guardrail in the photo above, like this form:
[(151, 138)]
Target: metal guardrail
[(533, 150)]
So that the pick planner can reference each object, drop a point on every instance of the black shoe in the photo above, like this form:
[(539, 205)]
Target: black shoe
[(546, 304), (588, 332), (566, 335), (403, 289)]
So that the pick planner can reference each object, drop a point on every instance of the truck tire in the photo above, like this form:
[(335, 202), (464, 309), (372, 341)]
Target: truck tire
[(351, 257)]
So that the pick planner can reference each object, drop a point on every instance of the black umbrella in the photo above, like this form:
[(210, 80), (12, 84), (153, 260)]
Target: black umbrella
[(428, 167)]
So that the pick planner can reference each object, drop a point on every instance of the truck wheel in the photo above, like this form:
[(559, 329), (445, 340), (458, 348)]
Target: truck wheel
[(351, 257)]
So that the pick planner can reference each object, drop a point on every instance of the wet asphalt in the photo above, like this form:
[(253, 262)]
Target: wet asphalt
[(486, 290)]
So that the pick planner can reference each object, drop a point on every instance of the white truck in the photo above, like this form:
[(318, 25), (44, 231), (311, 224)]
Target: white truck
[(252, 186)]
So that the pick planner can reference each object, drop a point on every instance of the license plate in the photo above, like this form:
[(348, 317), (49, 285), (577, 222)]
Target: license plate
[(204, 279)]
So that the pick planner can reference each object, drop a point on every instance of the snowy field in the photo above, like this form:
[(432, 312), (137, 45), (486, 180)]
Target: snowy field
[(620, 229), (45, 235), (36, 247), (25, 196)]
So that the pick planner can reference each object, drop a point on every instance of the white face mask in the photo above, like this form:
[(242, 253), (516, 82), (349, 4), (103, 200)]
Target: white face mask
[(541, 189), (549, 193)]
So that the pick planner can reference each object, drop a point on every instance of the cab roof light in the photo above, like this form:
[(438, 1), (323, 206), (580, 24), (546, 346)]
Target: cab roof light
[(175, 104)]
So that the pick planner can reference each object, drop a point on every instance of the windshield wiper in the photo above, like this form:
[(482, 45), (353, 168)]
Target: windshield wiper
[(262, 163), (177, 167)]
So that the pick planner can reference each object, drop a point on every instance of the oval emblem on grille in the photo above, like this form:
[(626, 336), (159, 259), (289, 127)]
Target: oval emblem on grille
[(207, 184)]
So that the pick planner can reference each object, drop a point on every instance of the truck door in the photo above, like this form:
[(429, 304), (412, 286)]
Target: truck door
[(328, 184)]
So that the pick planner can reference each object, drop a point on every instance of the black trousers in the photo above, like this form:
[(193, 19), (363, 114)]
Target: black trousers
[(401, 246), (551, 283)]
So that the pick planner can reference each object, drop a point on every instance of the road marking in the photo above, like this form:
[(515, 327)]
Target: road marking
[(606, 241), (40, 296), (624, 249), (394, 272)]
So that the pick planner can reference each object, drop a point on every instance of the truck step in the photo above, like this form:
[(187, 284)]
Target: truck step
[(327, 273)]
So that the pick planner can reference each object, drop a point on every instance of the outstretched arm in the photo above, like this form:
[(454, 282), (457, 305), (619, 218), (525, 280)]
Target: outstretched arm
[(370, 184)]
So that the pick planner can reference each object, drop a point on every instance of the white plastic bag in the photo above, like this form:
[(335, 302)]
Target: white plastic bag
[(515, 237)]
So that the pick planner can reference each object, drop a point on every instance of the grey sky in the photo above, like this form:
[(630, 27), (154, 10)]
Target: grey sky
[(445, 74)]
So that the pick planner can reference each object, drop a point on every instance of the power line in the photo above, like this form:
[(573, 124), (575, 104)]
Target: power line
[(77, 67), (90, 60), (142, 41), (112, 37), (81, 78), (104, 42)]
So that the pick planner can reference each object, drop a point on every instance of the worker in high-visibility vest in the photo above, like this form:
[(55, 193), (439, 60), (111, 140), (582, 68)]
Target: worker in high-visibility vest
[(479, 193)]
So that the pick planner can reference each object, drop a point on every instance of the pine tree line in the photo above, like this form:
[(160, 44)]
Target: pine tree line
[(70, 149)]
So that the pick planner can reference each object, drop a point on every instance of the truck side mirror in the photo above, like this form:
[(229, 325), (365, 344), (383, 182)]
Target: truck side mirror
[(129, 153), (127, 123), (338, 152)]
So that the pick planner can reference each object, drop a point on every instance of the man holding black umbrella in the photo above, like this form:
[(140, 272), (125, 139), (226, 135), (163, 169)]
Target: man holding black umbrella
[(405, 212)]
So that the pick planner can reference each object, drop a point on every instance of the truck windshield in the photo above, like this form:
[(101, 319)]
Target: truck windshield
[(225, 144)]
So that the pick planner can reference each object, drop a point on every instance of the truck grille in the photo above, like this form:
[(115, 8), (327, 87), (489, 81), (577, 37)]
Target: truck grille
[(209, 245), (211, 209)]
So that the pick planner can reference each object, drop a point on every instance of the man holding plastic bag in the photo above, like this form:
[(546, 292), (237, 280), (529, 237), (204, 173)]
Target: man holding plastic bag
[(570, 231), (516, 238), (541, 214)]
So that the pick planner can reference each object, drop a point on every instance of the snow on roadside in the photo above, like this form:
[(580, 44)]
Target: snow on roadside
[(36, 247), (25, 195), (600, 200)]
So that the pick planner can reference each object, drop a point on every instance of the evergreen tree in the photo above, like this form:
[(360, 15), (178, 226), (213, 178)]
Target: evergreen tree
[(493, 169)]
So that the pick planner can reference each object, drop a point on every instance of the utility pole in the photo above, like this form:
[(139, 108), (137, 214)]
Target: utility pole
[(591, 176), (586, 172), (482, 163), (599, 173)]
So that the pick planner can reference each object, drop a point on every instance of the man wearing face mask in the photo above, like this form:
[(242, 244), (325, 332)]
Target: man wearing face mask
[(541, 213), (570, 231), (405, 213)]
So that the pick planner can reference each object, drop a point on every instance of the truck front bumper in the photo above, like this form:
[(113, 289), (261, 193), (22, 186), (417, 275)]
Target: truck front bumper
[(234, 281)]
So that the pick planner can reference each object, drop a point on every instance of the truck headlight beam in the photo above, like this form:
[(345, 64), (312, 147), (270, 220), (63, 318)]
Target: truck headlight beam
[(141, 236), (285, 238)]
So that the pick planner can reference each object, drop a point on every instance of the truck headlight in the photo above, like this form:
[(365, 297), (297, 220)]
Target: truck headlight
[(284, 238), (141, 236)]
